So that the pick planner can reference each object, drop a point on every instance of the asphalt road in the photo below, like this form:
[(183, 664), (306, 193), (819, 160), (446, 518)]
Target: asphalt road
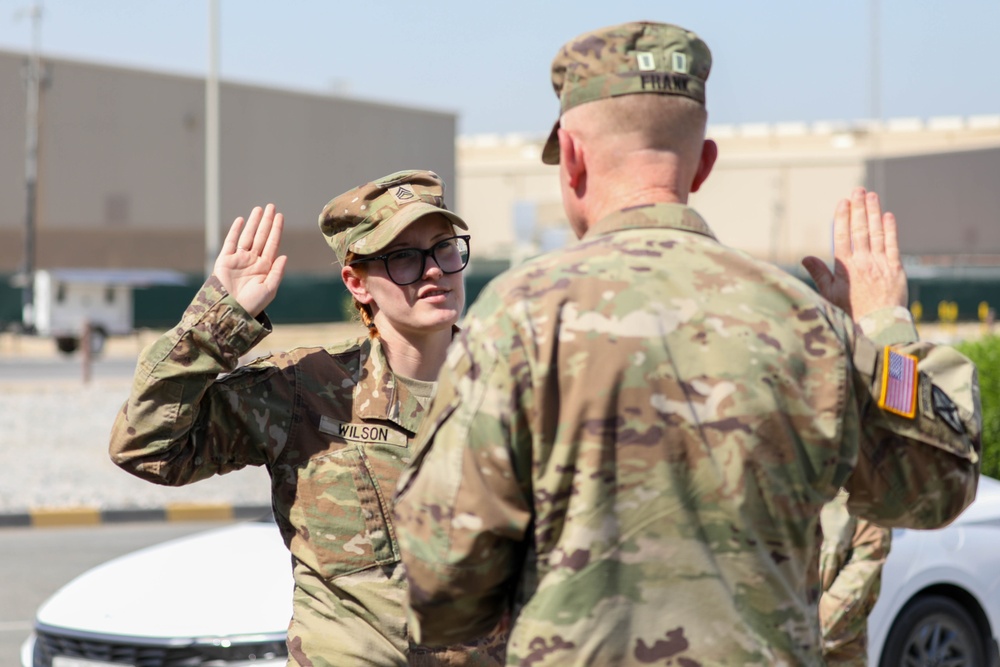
[(64, 368), (35, 562)]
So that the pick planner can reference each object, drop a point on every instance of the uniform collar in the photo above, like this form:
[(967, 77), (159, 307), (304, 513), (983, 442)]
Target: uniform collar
[(377, 393), (665, 215)]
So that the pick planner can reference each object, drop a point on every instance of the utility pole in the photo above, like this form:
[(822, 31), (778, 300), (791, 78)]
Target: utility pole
[(877, 162), (212, 140), (33, 77)]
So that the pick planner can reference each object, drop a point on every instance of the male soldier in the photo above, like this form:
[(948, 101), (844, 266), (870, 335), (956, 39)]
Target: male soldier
[(850, 571), (634, 436)]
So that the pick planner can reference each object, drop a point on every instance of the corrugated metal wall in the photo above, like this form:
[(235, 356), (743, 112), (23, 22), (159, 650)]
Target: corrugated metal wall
[(121, 163)]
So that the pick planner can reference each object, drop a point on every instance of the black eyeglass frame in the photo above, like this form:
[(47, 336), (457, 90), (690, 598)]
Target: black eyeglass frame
[(424, 254)]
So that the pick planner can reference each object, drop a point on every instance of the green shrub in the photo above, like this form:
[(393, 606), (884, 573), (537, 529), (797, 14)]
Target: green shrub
[(985, 353)]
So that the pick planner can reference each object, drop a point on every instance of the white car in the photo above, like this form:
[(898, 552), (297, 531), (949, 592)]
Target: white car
[(940, 599), (222, 598), (218, 598)]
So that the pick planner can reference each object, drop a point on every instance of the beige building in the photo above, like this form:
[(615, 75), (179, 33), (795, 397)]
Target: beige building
[(121, 163), (774, 188), (122, 174)]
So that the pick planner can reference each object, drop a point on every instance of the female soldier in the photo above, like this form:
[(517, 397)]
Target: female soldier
[(333, 425)]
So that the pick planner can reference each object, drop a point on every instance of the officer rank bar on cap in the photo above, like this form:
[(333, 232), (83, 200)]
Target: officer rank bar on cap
[(899, 383), (675, 80), (627, 59)]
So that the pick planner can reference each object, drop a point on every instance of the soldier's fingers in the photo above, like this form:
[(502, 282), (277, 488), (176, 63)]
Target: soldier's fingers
[(819, 272), (842, 229), (232, 237), (250, 230), (263, 229), (273, 241), (860, 241), (876, 233), (891, 238), (275, 274)]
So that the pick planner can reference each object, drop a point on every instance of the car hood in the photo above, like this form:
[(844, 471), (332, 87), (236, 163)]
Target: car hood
[(986, 507), (225, 582)]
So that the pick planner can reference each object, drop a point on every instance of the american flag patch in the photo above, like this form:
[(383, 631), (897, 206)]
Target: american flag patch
[(899, 383)]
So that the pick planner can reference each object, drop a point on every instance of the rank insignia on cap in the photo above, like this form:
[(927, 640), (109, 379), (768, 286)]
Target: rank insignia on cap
[(899, 383), (679, 62), (402, 194), (645, 60)]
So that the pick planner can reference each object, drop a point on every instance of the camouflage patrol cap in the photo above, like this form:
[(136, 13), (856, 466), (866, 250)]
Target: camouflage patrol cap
[(638, 57), (366, 219)]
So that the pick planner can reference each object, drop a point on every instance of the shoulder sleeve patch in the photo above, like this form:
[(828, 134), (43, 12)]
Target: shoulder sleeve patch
[(946, 409), (899, 383)]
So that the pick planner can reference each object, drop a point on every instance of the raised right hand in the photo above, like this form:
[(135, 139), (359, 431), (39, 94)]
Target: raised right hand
[(868, 274), (249, 266)]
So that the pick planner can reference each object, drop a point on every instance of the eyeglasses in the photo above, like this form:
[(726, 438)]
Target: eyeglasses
[(406, 266)]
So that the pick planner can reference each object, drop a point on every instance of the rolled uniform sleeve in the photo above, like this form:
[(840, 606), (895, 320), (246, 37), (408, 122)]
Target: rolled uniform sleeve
[(179, 425), (462, 511), (919, 471)]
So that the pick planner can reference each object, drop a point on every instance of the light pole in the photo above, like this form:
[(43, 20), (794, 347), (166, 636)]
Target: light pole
[(877, 177), (33, 78), (212, 140)]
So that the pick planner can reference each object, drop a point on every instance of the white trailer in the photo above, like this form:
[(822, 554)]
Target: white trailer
[(68, 302)]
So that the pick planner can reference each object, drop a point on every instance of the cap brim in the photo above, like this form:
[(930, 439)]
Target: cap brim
[(387, 231), (550, 153)]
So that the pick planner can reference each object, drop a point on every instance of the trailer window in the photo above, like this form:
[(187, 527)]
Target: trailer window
[(109, 294)]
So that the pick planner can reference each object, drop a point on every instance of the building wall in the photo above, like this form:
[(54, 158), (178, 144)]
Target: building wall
[(121, 173), (948, 202), (776, 211), (774, 188), (121, 163), (494, 179)]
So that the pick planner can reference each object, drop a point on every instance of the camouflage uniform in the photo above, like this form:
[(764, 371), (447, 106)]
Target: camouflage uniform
[(850, 572), (334, 428), (632, 441), (851, 558)]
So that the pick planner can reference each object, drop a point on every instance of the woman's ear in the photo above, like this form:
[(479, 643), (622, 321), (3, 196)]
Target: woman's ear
[(355, 283)]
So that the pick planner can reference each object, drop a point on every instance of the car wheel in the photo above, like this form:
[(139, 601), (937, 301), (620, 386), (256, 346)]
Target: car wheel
[(67, 344), (930, 631)]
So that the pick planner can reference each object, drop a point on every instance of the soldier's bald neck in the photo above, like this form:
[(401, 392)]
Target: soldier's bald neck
[(639, 149)]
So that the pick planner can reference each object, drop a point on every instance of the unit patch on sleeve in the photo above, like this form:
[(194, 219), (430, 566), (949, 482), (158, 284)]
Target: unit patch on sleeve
[(946, 409), (899, 383)]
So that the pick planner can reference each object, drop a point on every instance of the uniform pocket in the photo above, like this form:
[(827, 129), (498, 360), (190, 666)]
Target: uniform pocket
[(340, 515)]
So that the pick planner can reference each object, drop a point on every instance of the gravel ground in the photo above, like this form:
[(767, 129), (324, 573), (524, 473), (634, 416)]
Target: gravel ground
[(55, 455), (54, 438)]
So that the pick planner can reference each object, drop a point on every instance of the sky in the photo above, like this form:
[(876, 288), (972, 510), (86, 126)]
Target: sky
[(774, 60)]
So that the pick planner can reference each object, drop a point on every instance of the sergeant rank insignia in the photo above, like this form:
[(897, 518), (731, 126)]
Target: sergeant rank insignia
[(899, 383)]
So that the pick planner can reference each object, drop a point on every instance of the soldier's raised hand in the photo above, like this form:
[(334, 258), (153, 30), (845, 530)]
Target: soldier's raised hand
[(249, 266), (867, 273)]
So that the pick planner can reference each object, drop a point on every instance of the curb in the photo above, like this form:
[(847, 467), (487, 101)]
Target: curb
[(55, 517)]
